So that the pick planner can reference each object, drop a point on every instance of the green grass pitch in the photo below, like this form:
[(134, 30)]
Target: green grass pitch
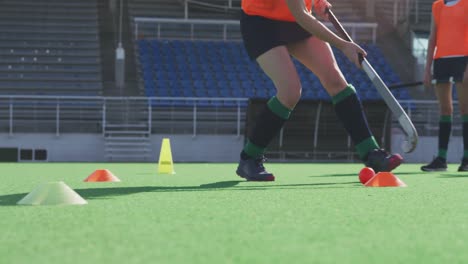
[(312, 213)]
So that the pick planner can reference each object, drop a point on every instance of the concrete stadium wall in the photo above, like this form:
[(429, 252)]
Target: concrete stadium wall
[(90, 147), (426, 149), (202, 148), (63, 148), (185, 148)]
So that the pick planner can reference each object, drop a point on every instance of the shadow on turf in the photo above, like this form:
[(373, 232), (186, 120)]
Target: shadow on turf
[(107, 192), (459, 175), (357, 174), (11, 199), (96, 193)]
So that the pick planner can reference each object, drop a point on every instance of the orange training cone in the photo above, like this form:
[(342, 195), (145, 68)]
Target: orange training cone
[(102, 176), (385, 179)]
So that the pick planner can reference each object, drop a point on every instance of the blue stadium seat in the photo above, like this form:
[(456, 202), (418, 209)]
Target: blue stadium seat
[(223, 69)]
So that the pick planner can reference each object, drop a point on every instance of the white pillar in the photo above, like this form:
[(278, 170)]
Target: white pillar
[(120, 67)]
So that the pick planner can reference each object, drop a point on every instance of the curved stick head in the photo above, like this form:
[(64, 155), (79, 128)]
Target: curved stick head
[(411, 134), (409, 145)]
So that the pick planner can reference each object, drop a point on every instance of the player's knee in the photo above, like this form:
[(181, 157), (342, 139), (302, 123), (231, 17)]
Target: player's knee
[(290, 97), (462, 107), (333, 83), (463, 110), (334, 88), (446, 110)]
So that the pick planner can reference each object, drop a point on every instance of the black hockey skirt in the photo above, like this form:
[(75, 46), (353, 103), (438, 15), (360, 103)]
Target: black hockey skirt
[(451, 68), (261, 34)]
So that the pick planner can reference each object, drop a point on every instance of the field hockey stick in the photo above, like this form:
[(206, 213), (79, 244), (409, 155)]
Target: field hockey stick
[(404, 85), (405, 122)]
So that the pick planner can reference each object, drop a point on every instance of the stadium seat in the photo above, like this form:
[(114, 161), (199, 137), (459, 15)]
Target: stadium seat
[(222, 69)]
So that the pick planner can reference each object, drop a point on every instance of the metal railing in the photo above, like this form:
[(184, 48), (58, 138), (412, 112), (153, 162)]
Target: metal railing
[(150, 27), (153, 27), (228, 5), (91, 114)]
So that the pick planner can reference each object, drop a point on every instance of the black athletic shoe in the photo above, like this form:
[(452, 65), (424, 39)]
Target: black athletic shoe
[(381, 160), (253, 170), (463, 165), (438, 164)]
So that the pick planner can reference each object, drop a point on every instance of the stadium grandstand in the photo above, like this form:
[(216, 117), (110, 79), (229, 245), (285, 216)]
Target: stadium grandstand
[(91, 80)]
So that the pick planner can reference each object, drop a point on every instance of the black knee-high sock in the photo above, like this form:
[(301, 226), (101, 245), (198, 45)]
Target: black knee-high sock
[(465, 136), (268, 123), (445, 128), (348, 108)]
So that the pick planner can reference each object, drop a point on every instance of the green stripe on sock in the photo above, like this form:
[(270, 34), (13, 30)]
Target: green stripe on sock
[(349, 90), (278, 108), (253, 150), (465, 154), (445, 118), (442, 153), (465, 118), (365, 146)]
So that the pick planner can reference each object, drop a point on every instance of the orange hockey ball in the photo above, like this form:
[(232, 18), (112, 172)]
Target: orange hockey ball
[(366, 174)]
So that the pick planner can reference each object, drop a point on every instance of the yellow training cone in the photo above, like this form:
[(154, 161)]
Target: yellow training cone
[(52, 193), (165, 164)]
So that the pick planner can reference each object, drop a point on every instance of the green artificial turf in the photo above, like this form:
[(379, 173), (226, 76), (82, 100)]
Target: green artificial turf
[(312, 213)]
